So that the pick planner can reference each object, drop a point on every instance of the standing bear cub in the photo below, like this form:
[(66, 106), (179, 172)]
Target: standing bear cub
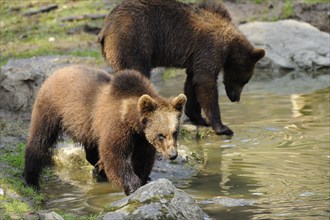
[(121, 121), (142, 34)]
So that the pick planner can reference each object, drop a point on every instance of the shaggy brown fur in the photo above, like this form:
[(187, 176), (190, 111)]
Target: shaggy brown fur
[(120, 121), (142, 34)]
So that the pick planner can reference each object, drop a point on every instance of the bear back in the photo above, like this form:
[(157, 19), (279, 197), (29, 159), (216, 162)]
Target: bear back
[(216, 8), (131, 83)]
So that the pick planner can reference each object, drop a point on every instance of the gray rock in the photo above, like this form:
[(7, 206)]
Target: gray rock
[(156, 200), (46, 215), (289, 44), (21, 78), (180, 170)]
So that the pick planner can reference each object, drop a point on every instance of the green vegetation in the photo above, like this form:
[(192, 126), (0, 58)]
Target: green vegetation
[(287, 9), (191, 133), (44, 33), (133, 204), (315, 1), (18, 200), (12, 164), (73, 217)]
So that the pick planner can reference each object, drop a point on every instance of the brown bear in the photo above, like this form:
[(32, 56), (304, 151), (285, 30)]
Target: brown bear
[(121, 121), (142, 34)]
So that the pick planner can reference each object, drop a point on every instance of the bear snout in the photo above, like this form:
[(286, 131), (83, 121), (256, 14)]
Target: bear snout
[(173, 157), (234, 98), (171, 154), (234, 95)]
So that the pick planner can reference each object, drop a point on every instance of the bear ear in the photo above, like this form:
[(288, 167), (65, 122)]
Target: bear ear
[(179, 101), (146, 104), (257, 54)]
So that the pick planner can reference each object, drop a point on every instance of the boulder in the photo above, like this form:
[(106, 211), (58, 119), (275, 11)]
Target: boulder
[(46, 215), (156, 200), (21, 78), (289, 45)]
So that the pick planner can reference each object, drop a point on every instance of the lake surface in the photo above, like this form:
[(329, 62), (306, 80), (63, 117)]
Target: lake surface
[(278, 159)]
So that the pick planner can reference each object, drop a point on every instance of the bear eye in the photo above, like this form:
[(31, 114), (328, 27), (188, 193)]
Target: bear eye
[(160, 137)]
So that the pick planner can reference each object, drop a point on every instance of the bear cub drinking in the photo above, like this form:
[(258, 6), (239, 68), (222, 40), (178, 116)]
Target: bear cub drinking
[(120, 121)]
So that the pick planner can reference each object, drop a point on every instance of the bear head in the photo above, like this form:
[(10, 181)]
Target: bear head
[(238, 68), (161, 120)]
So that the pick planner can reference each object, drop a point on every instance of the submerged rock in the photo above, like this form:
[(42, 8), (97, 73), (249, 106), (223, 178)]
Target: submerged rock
[(289, 44), (156, 200), (72, 156), (228, 202)]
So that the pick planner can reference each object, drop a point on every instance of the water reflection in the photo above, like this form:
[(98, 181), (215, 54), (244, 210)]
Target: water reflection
[(300, 106)]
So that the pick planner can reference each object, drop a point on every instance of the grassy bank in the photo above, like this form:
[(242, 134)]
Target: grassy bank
[(45, 33), (16, 199), (48, 34)]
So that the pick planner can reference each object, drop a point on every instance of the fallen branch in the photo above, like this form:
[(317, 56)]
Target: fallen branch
[(82, 17), (47, 8)]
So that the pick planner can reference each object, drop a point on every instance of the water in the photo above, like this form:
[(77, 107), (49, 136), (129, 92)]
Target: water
[(278, 160)]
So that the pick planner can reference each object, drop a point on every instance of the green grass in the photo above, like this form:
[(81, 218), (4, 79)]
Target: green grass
[(316, 1), (287, 9), (12, 163), (74, 217), (18, 199), (22, 36)]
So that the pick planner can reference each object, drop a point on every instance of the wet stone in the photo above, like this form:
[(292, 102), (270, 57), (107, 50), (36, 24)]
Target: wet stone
[(46, 215), (228, 202), (148, 202)]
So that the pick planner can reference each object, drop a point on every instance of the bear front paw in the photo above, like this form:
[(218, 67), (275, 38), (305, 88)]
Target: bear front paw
[(223, 130)]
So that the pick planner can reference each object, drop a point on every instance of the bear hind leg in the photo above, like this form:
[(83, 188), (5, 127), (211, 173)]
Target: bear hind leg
[(44, 131)]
